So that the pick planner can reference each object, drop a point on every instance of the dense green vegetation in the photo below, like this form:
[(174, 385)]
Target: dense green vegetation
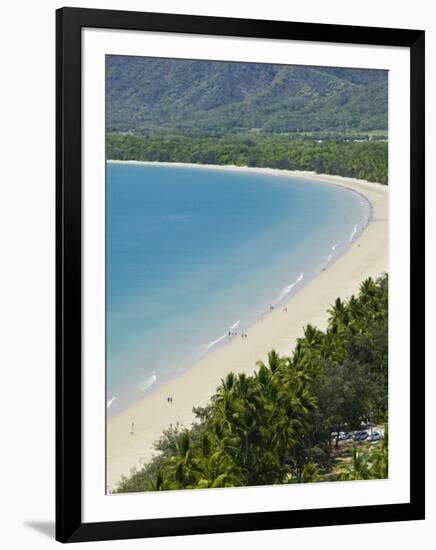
[(368, 463), (363, 160), (323, 119), (276, 426), (149, 94)]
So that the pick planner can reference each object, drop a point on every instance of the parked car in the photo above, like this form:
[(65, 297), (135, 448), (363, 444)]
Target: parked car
[(343, 436), (375, 436), (360, 436)]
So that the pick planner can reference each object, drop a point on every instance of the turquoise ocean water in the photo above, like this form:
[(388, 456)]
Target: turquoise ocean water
[(193, 253)]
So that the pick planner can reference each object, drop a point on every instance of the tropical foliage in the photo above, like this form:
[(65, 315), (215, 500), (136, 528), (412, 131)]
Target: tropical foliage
[(358, 159), (276, 426), (368, 464)]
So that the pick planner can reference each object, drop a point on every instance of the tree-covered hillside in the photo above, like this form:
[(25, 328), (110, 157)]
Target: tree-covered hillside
[(153, 93)]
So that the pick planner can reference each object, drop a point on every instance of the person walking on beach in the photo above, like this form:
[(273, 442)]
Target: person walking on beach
[(132, 429)]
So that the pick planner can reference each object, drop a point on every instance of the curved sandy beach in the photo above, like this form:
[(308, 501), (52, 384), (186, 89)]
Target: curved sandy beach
[(367, 256)]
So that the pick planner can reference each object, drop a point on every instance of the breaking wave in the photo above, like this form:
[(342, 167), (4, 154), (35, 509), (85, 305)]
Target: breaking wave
[(109, 403), (148, 382), (215, 342), (287, 289)]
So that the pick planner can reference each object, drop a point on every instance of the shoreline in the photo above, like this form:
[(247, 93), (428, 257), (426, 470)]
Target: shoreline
[(342, 181), (366, 256), (280, 303)]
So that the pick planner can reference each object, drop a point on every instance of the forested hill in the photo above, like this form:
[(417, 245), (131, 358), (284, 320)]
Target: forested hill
[(204, 96)]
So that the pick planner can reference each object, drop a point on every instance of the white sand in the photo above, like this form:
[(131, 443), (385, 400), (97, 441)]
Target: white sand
[(367, 256)]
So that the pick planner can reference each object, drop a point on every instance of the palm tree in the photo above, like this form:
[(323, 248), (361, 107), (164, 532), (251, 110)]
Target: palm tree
[(310, 473), (182, 462), (359, 468), (156, 484), (228, 383), (369, 292), (312, 337), (354, 307), (225, 402), (368, 289), (379, 457), (332, 348), (274, 361), (215, 468), (338, 313), (284, 435)]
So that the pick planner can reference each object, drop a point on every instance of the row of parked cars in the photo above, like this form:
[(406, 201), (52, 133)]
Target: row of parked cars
[(361, 435)]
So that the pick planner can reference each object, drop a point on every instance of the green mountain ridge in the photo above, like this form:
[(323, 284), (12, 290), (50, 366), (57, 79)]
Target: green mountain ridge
[(146, 94)]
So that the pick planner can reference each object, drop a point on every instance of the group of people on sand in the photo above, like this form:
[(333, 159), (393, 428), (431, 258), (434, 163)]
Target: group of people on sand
[(169, 399), (243, 334)]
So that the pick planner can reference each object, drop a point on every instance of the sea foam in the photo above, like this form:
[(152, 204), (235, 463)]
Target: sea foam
[(148, 382), (215, 342), (109, 403), (287, 289)]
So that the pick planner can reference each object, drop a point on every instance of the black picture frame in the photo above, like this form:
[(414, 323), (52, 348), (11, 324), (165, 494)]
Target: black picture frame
[(69, 525)]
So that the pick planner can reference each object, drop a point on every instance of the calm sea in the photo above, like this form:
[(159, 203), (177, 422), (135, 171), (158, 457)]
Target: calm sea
[(193, 253)]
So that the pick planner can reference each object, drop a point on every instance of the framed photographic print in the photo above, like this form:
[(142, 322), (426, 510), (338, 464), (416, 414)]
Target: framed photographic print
[(240, 274)]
